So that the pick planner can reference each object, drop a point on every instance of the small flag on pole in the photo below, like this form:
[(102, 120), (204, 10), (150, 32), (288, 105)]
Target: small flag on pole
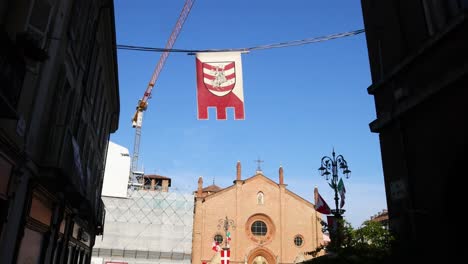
[(215, 246), (320, 204), (342, 191)]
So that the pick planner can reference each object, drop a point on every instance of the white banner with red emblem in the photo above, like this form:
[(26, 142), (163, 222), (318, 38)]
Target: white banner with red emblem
[(220, 84), (225, 255)]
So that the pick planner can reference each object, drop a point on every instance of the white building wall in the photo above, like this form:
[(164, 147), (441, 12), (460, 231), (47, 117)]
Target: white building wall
[(117, 171)]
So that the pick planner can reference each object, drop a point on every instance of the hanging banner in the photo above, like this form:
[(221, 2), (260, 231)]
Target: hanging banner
[(219, 84), (225, 255), (332, 223)]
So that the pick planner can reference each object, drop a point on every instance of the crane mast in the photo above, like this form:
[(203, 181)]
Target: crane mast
[(142, 105)]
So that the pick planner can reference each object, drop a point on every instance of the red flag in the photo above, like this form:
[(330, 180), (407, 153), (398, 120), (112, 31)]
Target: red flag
[(219, 84), (225, 255), (320, 204)]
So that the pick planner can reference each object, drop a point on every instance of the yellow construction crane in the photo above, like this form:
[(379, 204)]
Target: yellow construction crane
[(142, 105)]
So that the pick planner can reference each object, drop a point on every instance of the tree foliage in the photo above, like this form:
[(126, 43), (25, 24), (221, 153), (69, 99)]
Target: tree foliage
[(371, 238), (370, 243), (372, 235)]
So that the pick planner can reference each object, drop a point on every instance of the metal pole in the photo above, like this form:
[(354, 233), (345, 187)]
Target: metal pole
[(226, 227), (337, 210)]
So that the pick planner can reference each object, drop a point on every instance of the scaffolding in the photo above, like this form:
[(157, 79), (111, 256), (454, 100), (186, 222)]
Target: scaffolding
[(151, 225)]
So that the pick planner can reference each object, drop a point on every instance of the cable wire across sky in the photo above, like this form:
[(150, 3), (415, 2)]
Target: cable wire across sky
[(261, 47)]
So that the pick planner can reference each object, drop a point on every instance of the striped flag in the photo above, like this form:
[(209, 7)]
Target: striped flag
[(342, 191)]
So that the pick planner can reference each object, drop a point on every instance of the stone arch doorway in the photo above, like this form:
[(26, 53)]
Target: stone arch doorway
[(260, 260), (261, 256)]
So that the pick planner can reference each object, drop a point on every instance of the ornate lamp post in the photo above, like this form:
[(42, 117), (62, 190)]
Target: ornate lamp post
[(329, 169), (225, 224)]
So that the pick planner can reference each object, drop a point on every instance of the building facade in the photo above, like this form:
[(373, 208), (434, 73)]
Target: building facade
[(59, 102), (267, 222), (117, 171), (381, 217), (418, 60)]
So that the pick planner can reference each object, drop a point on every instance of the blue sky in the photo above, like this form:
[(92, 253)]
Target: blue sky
[(300, 102)]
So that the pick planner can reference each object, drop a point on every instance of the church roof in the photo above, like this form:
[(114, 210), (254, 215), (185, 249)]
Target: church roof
[(218, 190), (212, 188), (260, 175)]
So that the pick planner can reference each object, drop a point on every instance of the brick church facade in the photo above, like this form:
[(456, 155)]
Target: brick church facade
[(268, 224)]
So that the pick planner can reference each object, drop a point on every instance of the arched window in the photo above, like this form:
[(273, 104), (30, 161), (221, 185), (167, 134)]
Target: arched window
[(260, 198)]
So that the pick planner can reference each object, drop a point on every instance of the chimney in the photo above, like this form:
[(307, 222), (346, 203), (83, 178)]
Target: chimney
[(238, 167), (281, 177), (315, 194), (165, 185), (200, 186), (153, 184)]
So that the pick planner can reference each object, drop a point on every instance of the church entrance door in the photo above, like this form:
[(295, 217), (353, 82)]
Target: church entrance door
[(260, 260), (261, 256)]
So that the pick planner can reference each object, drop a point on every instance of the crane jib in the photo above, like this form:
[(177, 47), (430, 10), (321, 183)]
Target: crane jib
[(137, 119)]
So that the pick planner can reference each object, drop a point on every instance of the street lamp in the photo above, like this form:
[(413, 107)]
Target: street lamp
[(225, 224), (329, 169)]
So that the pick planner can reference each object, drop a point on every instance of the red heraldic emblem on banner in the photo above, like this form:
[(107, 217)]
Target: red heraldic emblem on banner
[(219, 84), (225, 255)]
